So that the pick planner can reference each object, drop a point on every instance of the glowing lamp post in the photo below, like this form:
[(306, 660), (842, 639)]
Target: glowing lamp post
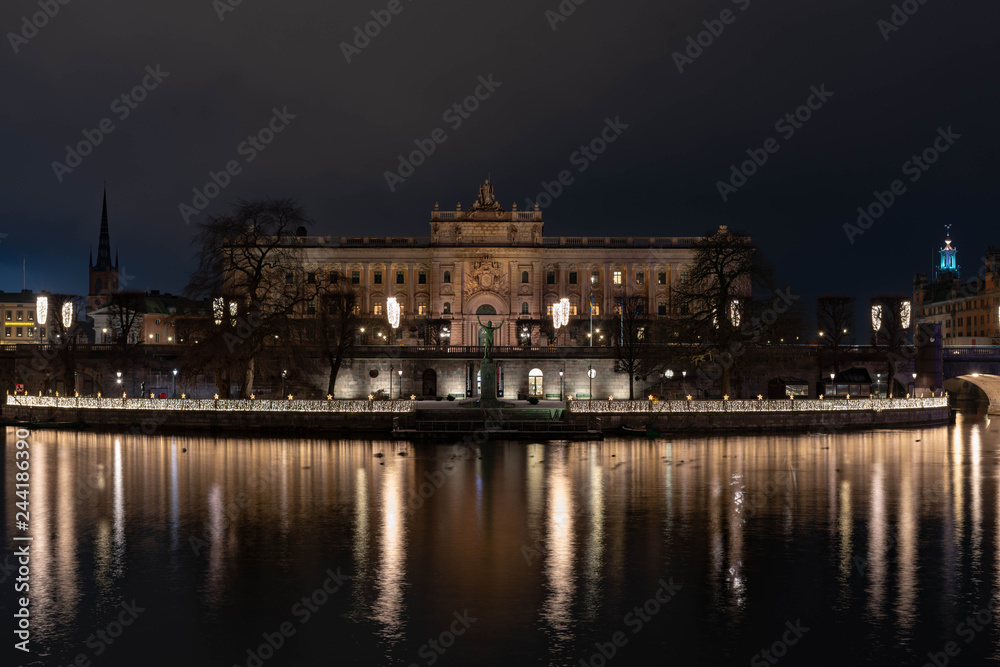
[(400, 372), (591, 374), (174, 391)]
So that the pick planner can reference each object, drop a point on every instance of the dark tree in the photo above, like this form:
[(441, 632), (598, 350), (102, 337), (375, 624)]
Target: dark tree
[(890, 320), (714, 302), (635, 354), (336, 324), (249, 268), (835, 319)]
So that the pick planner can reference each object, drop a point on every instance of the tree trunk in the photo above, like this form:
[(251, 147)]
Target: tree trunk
[(725, 380), (248, 377), (335, 362)]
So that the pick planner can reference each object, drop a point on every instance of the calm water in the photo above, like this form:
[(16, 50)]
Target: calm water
[(875, 546)]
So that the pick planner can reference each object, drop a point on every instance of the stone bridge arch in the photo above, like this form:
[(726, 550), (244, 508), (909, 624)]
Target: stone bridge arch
[(973, 388)]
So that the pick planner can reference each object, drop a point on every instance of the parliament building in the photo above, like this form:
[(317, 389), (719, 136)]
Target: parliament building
[(497, 264)]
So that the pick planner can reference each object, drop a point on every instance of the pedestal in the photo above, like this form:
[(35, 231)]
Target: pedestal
[(488, 387)]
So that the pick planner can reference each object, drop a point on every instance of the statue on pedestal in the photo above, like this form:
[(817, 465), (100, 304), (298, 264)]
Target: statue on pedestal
[(487, 331)]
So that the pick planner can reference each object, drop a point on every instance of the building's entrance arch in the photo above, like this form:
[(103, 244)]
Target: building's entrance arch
[(429, 384), (535, 382)]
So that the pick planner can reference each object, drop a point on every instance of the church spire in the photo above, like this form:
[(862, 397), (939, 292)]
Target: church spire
[(949, 255), (104, 242)]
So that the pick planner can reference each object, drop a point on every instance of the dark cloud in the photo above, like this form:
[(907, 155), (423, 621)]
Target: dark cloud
[(558, 87)]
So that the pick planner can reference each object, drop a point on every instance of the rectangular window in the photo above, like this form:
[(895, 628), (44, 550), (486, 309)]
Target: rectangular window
[(6, 332), (421, 309), (31, 332), (422, 278), (311, 308), (355, 277), (447, 276), (661, 309), (572, 277), (378, 309), (20, 332), (639, 277), (311, 277), (596, 309), (548, 313), (31, 316), (616, 277), (572, 310), (595, 277), (41, 332), (157, 338), (550, 278), (9, 315), (661, 278), (400, 277), (378, 278)]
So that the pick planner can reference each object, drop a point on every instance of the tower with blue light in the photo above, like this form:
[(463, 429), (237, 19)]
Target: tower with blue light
[(949, 256)]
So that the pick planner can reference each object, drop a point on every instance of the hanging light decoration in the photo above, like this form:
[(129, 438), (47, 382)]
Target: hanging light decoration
[(904, 314), (560, 313), (218, 309), (392, 310), (876, 317), (42, 309), (67, 315)]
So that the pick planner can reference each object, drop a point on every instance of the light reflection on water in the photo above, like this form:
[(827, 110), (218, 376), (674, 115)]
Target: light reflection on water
[(872, 537)]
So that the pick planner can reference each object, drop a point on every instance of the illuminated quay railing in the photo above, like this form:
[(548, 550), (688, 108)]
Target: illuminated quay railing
[(210, 405), (808, 405)]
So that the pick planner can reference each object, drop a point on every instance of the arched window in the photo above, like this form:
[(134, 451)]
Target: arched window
[(524, 308), (447, 308), (535, 382), (524, 276), (447, 276)]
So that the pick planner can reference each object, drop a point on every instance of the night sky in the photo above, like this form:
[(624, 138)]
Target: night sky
[(556, 81)]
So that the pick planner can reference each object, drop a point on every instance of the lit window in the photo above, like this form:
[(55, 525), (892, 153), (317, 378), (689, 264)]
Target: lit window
[(661, 278), (616, 277), (31, 332), (378, 308), (595, 277), (31, 316), (20, 332), (572, 310), (9, 315), (421, 309), (548, 310), (20, 316), (447, 308), (595, 309), (639, 277), (6, 332)]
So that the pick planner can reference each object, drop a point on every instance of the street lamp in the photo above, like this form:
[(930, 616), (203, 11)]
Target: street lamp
[(562, 385), (591, 373), (834, 386), (391, 367), (284, 374), (400, 371), (914, 384), (174, 392), (669, 374), (119, 374), (878, 383)]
